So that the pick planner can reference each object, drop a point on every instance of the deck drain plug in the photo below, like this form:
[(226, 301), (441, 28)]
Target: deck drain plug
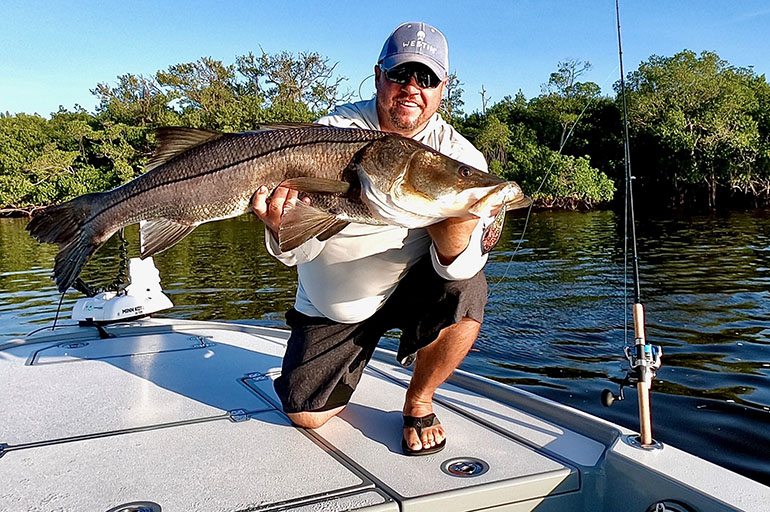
[(73, 345), (137, 506), (669, 506), (464, 467)]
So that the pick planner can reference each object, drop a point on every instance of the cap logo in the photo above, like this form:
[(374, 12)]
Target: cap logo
[(419, 44)]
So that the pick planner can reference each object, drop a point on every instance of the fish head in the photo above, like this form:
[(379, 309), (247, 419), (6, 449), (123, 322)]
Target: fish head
[(416, 185), (437, 185)]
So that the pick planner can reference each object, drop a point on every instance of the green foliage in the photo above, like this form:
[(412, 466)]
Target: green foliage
[(46, 161), (526, 141), (554, 179), (452, 102), (563, 100), (307, 78), (136, 100), (702, 124), (700, 128), (494, 139), (71, 154)]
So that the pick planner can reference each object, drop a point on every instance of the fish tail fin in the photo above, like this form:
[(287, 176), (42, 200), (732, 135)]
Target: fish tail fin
[(68, 225), (60, 223), (70, 261)]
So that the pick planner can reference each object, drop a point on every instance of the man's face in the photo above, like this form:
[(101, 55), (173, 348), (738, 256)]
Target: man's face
[(405, 108)]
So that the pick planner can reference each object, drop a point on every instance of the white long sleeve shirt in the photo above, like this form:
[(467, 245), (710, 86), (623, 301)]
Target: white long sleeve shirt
[(348, 277)]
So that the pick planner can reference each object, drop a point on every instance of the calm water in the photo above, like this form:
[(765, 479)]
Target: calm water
[(554, 321)]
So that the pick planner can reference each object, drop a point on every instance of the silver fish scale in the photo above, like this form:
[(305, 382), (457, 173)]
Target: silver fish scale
[(344, 208)]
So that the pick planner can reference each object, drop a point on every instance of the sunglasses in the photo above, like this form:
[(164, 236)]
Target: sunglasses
[(403, 74)]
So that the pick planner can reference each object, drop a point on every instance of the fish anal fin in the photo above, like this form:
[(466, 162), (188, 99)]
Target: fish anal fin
[(302, 222), (173, 140), (317, 185), (157, 235)]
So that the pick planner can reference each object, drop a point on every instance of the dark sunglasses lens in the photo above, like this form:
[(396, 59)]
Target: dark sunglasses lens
[(402, 75), (426, 79), (399, 75)]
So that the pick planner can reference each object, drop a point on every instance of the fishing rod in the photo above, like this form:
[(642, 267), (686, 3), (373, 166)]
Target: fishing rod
[(644, 360)]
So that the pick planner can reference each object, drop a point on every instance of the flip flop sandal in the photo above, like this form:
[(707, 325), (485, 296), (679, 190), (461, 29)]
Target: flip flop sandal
[(418, 424)]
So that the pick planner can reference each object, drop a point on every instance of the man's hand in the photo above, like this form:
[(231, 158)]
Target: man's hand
[(451, 237), (270, 208)]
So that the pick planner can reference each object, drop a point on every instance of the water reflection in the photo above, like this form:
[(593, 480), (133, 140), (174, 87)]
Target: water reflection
[(555, 319)]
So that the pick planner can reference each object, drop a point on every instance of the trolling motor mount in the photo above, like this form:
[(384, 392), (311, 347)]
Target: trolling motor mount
[(142, 297)]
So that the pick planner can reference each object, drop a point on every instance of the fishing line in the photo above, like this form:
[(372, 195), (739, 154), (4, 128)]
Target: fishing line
[(362, 84), (545, 177), (629, 199), (58, 309)]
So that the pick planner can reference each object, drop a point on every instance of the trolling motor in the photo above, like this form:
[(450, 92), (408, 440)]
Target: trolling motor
[(141, 297), (135, 292)]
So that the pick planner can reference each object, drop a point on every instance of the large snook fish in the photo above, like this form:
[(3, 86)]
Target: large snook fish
[(197, 176)]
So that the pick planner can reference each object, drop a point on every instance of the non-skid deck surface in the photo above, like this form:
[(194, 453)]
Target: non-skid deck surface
[(152, 416)]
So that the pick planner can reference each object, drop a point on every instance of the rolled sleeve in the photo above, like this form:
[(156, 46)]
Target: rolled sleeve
[(302, 254)]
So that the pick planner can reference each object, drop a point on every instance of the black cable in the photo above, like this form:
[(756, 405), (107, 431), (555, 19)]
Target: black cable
[(58, 309)]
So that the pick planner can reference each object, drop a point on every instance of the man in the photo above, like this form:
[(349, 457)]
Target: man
[(368, 279)]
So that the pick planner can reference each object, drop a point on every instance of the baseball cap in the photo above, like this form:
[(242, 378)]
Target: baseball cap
[(416, 42)]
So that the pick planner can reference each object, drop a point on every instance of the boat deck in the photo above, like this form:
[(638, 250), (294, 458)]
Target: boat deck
[(176, 416)]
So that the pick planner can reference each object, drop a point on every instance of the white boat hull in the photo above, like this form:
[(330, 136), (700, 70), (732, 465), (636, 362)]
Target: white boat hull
[(182, 415)]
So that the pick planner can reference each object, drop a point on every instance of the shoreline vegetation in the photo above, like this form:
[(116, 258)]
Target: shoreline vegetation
[(699, 128)]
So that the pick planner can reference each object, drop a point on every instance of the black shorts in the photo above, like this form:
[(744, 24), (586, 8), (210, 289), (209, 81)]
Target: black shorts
[(324, 359)]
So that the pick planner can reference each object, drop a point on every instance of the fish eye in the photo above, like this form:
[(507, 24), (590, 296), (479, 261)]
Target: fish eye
[(464, 171)]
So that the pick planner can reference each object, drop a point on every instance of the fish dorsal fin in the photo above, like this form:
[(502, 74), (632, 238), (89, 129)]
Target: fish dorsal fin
[(173, 140), (317, 185), (302, 222), (157, 235)]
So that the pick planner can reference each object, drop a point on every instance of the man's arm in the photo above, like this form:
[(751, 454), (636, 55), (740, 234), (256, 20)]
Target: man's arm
[(451, 237)]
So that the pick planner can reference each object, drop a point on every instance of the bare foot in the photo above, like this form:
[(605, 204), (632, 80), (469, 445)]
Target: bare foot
[(431, 436)]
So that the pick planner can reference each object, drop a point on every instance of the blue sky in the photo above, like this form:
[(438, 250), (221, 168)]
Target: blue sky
[(52, 53)]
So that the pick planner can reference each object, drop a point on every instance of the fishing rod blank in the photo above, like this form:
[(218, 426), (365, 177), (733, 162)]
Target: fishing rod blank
[(645, 359)]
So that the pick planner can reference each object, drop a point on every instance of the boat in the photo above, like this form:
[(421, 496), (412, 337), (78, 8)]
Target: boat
[(123, 412)]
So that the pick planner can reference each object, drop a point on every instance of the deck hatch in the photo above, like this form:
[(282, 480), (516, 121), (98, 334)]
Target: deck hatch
[(188, 467), (73, 351), (185, 379)]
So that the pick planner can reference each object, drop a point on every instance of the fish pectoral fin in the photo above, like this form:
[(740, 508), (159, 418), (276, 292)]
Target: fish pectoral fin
[(302, 222), (335, 228), (173, 140), (157, 235), (317, 185)]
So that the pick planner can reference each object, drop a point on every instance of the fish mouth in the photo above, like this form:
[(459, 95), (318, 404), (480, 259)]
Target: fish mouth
[(507, 195), (522, 202)]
